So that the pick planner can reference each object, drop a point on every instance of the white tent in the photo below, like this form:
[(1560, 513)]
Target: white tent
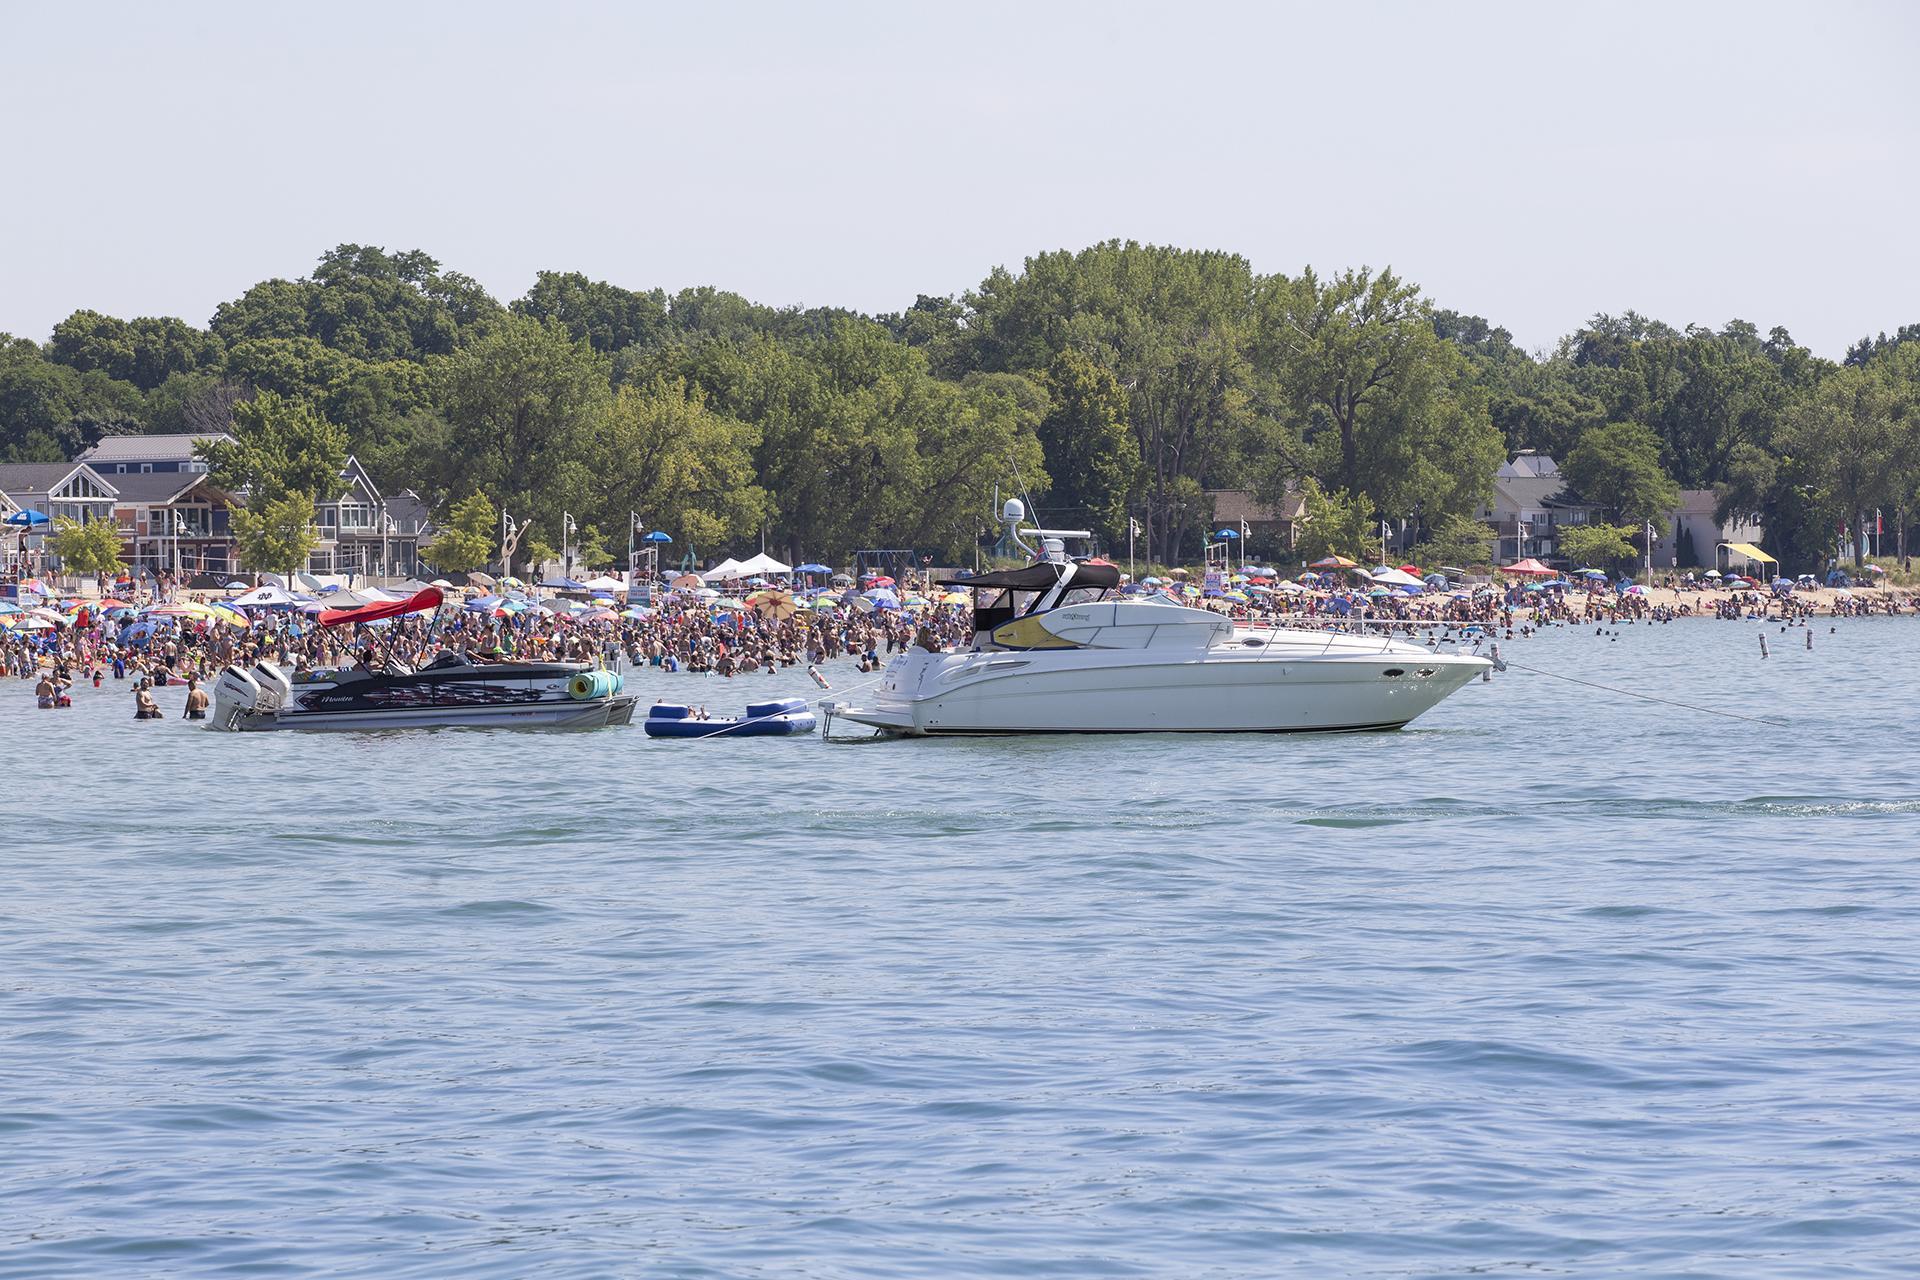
[(728, 568), (605, 583), (1396, 578), (265, 596), (762, 565)]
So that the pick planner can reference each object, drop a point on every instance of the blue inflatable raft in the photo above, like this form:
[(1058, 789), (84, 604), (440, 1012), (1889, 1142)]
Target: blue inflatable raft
[(763, 720)]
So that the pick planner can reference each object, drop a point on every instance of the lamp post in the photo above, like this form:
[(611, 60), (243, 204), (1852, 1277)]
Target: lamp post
[(567, 529)]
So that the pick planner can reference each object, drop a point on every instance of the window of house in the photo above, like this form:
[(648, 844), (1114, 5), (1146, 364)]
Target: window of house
[(146, 468)]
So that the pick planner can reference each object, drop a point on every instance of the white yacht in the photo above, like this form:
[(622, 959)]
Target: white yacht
[(1057, 650)]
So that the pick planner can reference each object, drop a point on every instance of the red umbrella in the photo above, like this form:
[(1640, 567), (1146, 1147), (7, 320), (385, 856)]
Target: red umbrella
[(1529, 568)]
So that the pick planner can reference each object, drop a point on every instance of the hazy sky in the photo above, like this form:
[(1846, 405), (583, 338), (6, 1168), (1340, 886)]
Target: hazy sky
[(1533, 163)]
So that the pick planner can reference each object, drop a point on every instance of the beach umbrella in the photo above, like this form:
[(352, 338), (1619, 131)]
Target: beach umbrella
[(773, 604), (812, 568), (706, 593), (1333, 562), (1874, 568), (441, 583), (638, 613), (824, 605), (1711, 573), (955, 597), (689, 580)]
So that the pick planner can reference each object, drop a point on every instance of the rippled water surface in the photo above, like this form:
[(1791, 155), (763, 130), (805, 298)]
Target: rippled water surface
[(1552, 983)]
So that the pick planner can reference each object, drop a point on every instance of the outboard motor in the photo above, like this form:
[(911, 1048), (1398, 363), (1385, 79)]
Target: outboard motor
[(235, 695), (275, 688)]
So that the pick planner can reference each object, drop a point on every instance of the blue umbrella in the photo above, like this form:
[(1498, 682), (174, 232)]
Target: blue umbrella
[(1226, 533), (27, 519), (812, 568), (656, 536)]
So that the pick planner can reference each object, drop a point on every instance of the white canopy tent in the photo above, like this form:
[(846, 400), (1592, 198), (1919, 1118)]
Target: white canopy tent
[(762, 565), (605, 583), (728, 568)]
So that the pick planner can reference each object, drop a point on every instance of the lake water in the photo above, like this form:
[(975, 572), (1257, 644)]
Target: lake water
[(1553, 983)]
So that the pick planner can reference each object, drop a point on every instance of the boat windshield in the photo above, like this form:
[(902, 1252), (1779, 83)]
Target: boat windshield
[(1082, 595)]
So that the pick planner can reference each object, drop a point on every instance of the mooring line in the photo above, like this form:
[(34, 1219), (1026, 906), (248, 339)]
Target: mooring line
[(1648, 697)]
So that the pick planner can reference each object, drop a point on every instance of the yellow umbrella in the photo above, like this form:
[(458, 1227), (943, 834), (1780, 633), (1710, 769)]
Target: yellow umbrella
[(773, 604)]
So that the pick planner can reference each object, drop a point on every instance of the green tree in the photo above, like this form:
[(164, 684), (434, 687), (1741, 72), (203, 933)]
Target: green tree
[(366, 303), (590, 549), (523, 406), (1617, 466), (283, 457), (1091, 453), (1335, 523), (275, 534), (92, 548), (680, 465), (278, 446), (1456, 541), (1388, 410), (606, 316), (468, 539), (1845, 428), (1173, 327), (1598, 545)]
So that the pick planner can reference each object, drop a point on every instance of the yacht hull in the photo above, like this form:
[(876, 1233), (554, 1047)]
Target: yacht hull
[(1100, 691)]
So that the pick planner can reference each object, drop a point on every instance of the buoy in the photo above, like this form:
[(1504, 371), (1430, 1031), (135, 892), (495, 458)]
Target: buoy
[(817, 677), (1763, 646)]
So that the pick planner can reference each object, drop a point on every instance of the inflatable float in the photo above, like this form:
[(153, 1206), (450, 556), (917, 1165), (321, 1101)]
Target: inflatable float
[(763, 720)]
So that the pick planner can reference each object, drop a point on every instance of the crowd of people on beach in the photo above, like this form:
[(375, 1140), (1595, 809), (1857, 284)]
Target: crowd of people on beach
[(689, 632)]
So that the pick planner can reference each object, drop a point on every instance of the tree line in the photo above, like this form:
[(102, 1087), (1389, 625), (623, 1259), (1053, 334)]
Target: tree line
[(1113, 384)]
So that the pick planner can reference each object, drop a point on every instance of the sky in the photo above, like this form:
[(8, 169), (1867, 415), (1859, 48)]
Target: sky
[(1531, 163)]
